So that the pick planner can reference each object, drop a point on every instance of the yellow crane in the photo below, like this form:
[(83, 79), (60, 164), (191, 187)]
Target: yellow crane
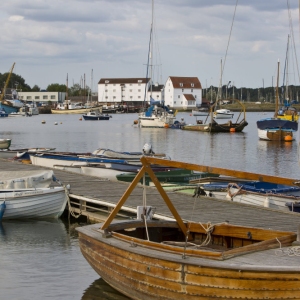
[(2, 95)]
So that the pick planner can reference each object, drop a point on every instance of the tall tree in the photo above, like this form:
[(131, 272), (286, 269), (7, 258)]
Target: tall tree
[(56, 87)]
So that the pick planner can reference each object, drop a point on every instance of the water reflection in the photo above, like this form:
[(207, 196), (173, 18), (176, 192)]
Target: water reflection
[(279, 157), (100, 290), (41, 259)]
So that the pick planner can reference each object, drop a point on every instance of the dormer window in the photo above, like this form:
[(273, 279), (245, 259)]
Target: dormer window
[(181, 84), (140, 80), (106, 81), (192, 85)]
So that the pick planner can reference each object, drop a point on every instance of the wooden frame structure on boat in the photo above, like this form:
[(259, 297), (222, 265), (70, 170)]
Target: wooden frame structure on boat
[(148, 259)]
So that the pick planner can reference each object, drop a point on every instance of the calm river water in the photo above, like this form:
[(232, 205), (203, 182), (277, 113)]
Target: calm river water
[(42, 260)]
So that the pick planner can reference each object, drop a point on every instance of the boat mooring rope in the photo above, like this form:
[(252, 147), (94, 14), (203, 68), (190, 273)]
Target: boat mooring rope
[(291, 251)]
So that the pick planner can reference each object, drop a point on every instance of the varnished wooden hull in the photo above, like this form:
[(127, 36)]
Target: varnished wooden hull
[(144, 273)]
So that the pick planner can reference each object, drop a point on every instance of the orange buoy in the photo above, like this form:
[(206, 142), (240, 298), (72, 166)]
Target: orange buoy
[(135, 122), (288, 138), (232, 130), (80, 119), (166, 125)]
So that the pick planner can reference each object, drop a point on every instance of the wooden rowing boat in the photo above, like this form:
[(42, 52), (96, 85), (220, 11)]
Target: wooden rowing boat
[(148, 259)]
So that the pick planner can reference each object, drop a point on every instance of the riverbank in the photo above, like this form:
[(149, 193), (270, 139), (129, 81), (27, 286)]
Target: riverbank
[(249, 106)]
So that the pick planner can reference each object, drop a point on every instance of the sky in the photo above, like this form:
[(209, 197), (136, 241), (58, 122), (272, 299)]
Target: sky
[(94, 39)]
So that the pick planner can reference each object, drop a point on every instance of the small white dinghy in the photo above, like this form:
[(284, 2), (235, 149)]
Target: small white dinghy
[(28, 194)]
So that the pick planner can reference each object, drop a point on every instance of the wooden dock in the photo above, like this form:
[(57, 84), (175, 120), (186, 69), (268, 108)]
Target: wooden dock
[(94, 198)]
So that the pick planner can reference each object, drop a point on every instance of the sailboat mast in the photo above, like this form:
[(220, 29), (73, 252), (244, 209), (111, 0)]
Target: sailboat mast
[(277, 92), (220, 84), (287, 70), (67, 87), (151, 49)]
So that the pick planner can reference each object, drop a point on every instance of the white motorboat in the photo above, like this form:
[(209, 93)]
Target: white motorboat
[(40, 160), (28, 194), (34, 202), (223, 114), (102, 171), (255, 193), (147, 150)]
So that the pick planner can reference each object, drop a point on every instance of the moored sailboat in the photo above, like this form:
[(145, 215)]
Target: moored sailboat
[(276, 129), (157, 115)]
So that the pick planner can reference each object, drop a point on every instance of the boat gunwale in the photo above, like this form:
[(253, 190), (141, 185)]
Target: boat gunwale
[(93, 232)]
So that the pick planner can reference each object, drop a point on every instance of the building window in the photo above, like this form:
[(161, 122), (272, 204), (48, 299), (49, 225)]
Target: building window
[(114, 85), (106, 91), (130, 91), (28, 97), (191, 90), (139, 97), (106, 81), (178, 96), (52, 97), (37, 97), (140, 81), (106, 97), (114, 91), (130, 84), (174, 102), (181, 102), (130, 97), (182, 90), (139, 90), (195, 96), (192, 85), (45, 97), (114, 97), (181, 84)]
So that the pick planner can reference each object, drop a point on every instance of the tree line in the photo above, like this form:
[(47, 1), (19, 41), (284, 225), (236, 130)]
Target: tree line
[(266, 94), (18, 82)]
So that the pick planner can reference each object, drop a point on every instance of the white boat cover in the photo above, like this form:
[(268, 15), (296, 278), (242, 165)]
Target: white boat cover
[(25, 179)]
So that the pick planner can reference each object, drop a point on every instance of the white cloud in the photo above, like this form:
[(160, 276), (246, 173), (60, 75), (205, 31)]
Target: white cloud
[(56, 37), (15, 18)]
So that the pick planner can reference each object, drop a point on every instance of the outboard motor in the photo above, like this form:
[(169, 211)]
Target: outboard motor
[(147, 149)]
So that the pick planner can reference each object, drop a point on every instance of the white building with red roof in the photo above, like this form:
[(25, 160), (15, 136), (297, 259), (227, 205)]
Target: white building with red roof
[(183, 92)]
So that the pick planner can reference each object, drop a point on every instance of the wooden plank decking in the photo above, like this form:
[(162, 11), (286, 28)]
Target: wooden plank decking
[(199, 210)]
